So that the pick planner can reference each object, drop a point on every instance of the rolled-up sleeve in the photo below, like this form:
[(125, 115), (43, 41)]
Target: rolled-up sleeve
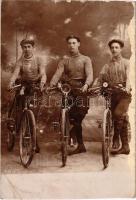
[(16, 72), (58, 74), (127, 64), (103, 76), (88, 71), (42, 70)]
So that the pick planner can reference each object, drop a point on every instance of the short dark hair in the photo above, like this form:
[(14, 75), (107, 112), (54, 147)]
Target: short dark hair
[(120, 42), (72, 37)]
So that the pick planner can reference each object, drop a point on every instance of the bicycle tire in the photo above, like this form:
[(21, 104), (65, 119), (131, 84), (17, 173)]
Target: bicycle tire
[(10, 141), (30, 136), (106, 138), (11, 128), (65, 135)]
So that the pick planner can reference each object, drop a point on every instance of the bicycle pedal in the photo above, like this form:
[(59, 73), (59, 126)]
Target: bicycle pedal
[(27, 137), (14, 133), (11, 128), (71, 145), (71, 142)]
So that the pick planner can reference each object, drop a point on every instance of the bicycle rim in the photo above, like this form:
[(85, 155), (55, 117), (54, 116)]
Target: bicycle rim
[(106, 138), (27, 138), (64, 141), (10, 140), (11, 127)]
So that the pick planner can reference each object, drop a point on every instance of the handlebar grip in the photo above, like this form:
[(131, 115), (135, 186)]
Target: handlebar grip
[(14, 87), (49, 89), (93, 89)]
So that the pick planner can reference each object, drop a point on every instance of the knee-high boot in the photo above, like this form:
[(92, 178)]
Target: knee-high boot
[(124, 138), (116, 136)]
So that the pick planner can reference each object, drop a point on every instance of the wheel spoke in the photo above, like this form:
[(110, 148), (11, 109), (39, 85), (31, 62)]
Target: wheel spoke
[(106, 138), (26, 138), (65, 135)]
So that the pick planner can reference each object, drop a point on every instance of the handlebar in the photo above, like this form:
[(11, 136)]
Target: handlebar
[(15, 87), (19, 86), (49, 89), (118, 88), (64, 88)]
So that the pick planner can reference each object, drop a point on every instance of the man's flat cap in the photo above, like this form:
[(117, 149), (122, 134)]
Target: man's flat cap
[(28, 40), (120, 42)]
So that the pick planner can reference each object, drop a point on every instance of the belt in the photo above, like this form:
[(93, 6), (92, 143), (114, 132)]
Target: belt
[(76, 82)]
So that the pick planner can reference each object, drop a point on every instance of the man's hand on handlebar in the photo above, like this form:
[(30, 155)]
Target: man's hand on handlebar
[(128, 90), (52, 85), (124, 89), (58, 85), (118, 87), (14, 87), (11, 86), (42, 86), (84, 88)]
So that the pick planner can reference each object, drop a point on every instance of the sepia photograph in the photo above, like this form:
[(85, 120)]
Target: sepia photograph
[(67, 99)]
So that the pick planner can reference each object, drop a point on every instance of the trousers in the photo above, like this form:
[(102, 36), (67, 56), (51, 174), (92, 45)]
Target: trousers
[(77, 113), (119, 106)]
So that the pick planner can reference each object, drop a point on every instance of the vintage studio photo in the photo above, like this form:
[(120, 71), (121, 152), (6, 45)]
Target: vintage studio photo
[(67, 97)]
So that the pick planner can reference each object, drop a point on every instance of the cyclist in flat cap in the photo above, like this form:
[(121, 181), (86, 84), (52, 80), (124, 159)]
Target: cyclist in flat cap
[(30, 68), (78, 72), (117, 72)]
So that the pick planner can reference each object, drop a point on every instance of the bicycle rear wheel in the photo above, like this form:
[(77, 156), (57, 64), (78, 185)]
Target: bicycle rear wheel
[(11, 126), (27, 142), (65, 136), (106, 138), (10, 137)]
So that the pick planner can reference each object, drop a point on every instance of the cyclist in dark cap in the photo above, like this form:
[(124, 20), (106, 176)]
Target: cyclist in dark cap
[(29, 67), (30, 70), (117, 72), (78, 72)]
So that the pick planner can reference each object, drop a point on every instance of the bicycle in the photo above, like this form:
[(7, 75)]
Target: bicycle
[(26, 126), (106, 91), (107, 125), (64, 119), (12, 120)]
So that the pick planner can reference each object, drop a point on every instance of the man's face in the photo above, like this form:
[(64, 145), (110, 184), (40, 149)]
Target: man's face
[(73, 45), (115, 49), (27, 49)]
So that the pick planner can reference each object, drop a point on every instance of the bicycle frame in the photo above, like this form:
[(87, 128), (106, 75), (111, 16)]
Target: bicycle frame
[(25, 100)]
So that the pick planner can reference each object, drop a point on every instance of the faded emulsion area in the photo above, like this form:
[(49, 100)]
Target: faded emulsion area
[(94, 22), (50, 23)]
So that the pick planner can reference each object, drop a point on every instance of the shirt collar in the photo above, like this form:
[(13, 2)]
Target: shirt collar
[(116, 59), (27, 58), (75, 55)]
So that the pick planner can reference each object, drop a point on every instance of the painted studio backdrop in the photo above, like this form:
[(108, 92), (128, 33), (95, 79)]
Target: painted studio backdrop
[(51, 21)]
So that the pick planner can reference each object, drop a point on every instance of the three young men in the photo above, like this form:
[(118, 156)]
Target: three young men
[(78, 72)]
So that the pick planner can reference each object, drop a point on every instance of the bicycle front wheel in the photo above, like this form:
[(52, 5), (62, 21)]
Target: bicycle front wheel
[(65, 136), (106, 137), (27, 141)]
